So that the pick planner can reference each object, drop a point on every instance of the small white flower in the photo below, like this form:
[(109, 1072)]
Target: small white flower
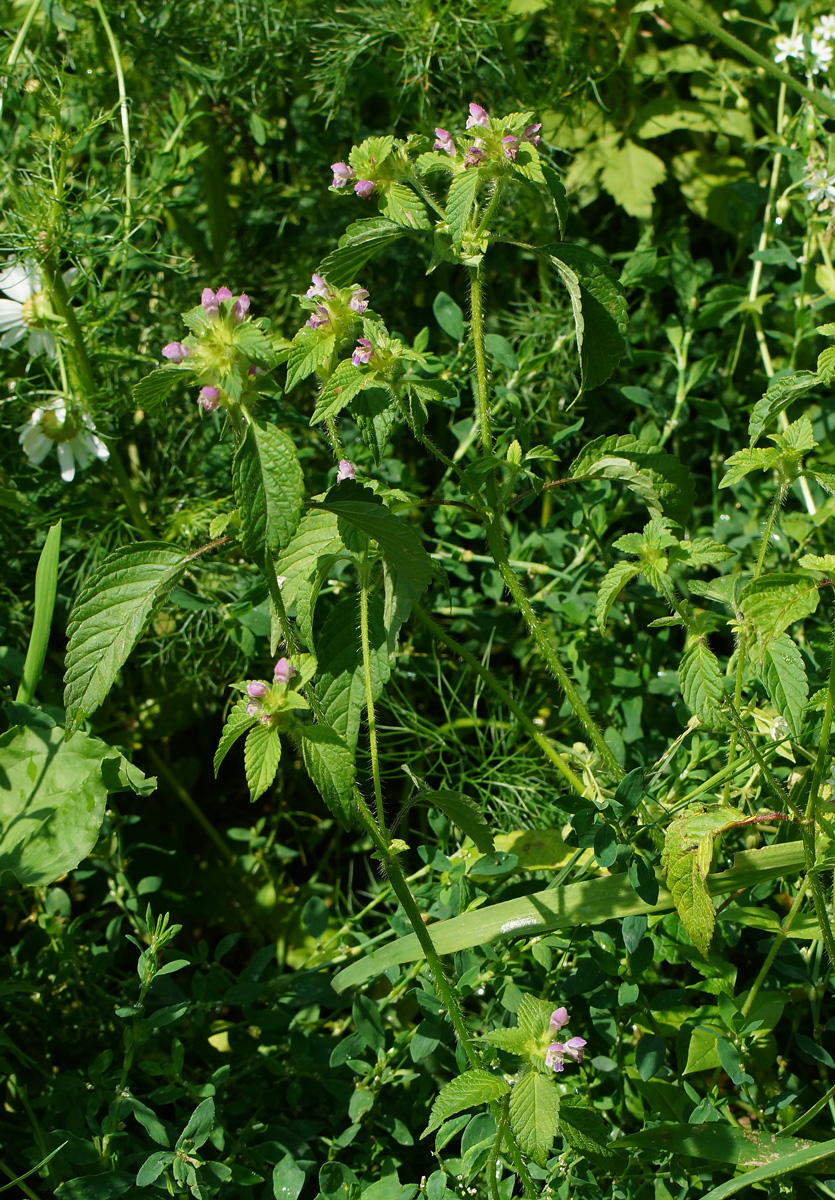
[(71, 434), (788, 47), (825, 28), (779, 729), (820, 188), (25, 309), (821, 53)]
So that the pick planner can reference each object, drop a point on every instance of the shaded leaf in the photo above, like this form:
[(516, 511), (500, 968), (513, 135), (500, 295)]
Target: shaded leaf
[(269, 489), (330, 764), (262, 753)]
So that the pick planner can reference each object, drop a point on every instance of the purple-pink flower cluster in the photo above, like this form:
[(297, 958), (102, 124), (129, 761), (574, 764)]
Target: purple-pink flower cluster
[(257, 691), (343, 175), (347, 470), (573, 1049)]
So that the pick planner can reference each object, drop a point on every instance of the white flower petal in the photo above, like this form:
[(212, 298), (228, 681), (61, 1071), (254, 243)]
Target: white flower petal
[(36, 446), (20, 281), (11, 314), (66, 461), (81, 449), (99, 447), (12, 336), (41, 341)]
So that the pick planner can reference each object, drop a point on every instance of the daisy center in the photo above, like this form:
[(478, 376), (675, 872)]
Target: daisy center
[(36, 309), (56, 429)]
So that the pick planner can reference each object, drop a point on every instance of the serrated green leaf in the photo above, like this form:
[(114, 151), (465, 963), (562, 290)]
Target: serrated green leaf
[(459, 204), (702, 552), (514, 1041), (403, 207), (785, 680), (370, 153), (701, 685), (819, 562), (663, 483), (534, 1108), (798, 437), (825, 478), (780, 394), (613, 583), (342, 386), (533, 1016), (774, 602), (341, 681), (150, 392), (262, 753), (584, 1128), (630, 176), (237, 723), (463, 813), (465, 1091), (375, 411), (109, 617), (316, 543), (330, 764), (358, 244), (598, 303), (269, 489), (311, 348), (686, 858), (761, 458)]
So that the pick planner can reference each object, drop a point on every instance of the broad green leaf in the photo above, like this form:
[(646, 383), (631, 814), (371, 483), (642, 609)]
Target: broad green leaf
[(702, 552), (663, 116), (514, 1041), (630, 175), (501, 350), (109, 617), (288, 1179), (659, 479), (269, 489), (784, 675), (400, 204), (463, 813), (200, 1125), (614, 581), (589, 903), (237, 723), (330, 764), (376, 412), (601, 316), (358, 244), (262, 753), (449, 315), (316, 543), (534, 1108), (702, 686), (533, 1016), (584, 1128), (153, 1167), (758, 458), (717, 188), (342, 386), (340, 684), (459, 205), (819, 562), (370, 153), (52, 799), (686, 858), (311, 348), (825, 478), (465, 1091), (780, 394), (798, 438), (774, 602), (150, 392)]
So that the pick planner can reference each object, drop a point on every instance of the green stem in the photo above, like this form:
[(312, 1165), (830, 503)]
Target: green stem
[(482, 394), (123, 109), (365, 571), (823, 745), (187, 800), (495, 540), (493, 1156), (490, 209), (779, 795), (19, 41), (775, 946), (46, 586), (808, 1116), (127, 489), (521, 716), (823, 103)]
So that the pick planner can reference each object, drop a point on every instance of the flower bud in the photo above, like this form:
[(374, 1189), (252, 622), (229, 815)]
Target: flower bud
[(364, 188), (209, 398), (241, 306), (223, 293), (284, 670), (510, 146), (531, 134), (346, 471), (209, 301), (176, 352), (256, 688), (319, 318), (478, 116)]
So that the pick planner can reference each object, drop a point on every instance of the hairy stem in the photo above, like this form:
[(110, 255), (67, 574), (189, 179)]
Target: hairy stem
[(365, 572), (495, 540), (482, 393)]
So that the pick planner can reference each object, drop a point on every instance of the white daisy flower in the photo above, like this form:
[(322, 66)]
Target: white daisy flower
[(71, 434), (821, 54), (26, 308), (789, 47), (820, 188), (825, 28)]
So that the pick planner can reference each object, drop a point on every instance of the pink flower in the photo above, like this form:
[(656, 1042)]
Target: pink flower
[(241, 306), (319, 318), (256, 689), (559, 1017), (223, 293), (253, 709), (531, 134), (359, 300), (576, 1048), (363, 352), (346, 471), (444, 142), (474, 157), (209, 301), (175, 351), (478, 116), (557, 1053), (364, 188), (284, 670), (319, 288), (209, 398), (510, 145), (342, 173)]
